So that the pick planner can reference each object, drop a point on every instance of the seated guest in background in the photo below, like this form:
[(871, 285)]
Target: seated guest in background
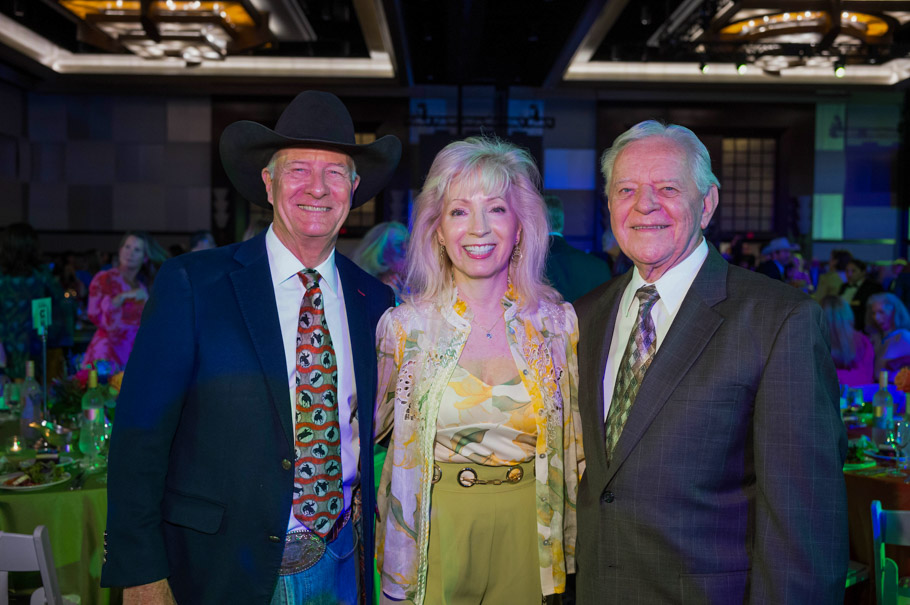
[(796, 274), (746, 261), (477, 381), (851, 350), (698, 384), (890, 273), (569, 270), (779, 252), (244, 434), (202, 240), (888, 325), (68, 273), (382, 254), (23, 278), (830, 282), (857, 290), (116, 300)]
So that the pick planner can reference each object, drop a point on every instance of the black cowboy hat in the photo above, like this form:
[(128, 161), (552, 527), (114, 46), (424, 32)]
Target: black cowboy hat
[(313, 119)]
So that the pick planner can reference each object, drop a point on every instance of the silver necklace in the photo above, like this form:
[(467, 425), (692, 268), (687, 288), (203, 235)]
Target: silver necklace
[(489, 331)]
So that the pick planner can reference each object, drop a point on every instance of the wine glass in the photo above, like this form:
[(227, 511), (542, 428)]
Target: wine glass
[(899, 439)]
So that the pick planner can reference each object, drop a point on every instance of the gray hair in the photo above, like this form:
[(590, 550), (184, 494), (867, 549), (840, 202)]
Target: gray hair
[(696, 153)]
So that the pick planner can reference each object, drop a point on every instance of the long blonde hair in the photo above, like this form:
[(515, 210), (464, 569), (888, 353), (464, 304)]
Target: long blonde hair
[(496, 168), (841, 332)]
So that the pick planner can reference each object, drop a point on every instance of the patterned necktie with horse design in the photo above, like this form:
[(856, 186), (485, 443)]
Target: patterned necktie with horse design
[(318, 495)]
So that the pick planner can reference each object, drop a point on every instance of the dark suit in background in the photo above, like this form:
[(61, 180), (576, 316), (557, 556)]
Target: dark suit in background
[(572, 271), (858, 302), (770, 268)]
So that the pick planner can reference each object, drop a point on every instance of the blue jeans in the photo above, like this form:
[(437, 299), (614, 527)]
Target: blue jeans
[(334, 580)]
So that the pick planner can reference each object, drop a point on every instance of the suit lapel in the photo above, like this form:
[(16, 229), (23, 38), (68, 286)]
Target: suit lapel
[(362, 343), (256, 299), (692, 329)]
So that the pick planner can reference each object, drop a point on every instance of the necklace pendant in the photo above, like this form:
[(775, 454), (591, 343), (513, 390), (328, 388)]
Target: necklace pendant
[(489, 336)]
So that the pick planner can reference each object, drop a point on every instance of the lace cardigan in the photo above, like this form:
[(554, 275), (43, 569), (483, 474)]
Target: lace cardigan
[(418, 348)]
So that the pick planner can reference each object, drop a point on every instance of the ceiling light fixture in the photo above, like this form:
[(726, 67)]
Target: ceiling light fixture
[(156, 29), (840, 70)]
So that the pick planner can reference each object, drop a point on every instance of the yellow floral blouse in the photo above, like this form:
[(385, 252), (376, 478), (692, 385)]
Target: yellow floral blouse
[(418, 348), (493, 425)]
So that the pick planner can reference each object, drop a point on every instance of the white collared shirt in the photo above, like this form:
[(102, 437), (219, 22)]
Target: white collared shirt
[(672, 288), (289, 291)]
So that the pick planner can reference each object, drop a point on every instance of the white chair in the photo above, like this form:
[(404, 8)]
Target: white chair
[(888, 527), (20, 552)]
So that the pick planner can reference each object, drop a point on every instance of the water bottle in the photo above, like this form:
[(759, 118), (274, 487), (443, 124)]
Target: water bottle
[(32, 400), (91, 433), (883, 406)]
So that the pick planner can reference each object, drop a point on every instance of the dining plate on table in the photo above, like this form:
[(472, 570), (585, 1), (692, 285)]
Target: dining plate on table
[(29, 488), (881, 455), (63, 461), (855, 466)]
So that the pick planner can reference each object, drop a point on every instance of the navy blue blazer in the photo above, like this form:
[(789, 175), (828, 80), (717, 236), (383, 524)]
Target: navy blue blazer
[(201, 459)]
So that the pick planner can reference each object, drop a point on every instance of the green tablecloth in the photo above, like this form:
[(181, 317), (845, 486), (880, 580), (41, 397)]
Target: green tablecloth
[(75, 521)]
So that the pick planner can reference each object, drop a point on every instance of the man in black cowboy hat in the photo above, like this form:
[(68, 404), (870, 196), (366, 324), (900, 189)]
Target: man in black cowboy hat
[(206, 491)]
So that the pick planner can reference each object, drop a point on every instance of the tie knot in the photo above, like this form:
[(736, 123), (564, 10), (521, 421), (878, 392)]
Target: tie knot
[(647, 296), (310, 278)]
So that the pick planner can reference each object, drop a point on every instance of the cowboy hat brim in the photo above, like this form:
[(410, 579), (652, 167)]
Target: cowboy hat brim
[(246, 148)]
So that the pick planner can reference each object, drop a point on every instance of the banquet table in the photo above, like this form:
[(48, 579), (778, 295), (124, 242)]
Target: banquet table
[(75, 520), (864, 486)]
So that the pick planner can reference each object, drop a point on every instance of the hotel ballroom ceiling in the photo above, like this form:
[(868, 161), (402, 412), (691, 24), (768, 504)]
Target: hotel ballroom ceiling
[(413, 43)]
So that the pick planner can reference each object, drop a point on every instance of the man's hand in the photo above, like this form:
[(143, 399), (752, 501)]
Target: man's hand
[(156, 593)]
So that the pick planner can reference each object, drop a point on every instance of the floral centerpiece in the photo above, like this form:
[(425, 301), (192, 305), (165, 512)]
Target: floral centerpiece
[(65, 397), (902, 380)]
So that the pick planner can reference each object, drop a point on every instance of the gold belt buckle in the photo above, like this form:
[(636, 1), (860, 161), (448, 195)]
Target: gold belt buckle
[(467, 477), (302, 550)]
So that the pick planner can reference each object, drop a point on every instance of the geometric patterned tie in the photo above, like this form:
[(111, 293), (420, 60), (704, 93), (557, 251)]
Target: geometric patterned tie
[(318, 495), (635, 361)]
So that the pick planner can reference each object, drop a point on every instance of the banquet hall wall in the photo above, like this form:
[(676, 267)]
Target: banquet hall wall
[(83, 167)]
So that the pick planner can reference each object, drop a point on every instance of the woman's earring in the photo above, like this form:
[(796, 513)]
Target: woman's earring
[(516, 254), (442, 252)]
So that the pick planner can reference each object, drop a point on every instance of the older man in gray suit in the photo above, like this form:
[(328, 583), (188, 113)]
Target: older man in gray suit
[(708, 397)]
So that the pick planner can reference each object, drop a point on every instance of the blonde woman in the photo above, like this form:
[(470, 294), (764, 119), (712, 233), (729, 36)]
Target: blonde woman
[(477, 394)]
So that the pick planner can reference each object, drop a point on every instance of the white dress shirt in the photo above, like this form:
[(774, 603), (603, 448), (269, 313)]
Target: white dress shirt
[(289, 291), (672, 288)]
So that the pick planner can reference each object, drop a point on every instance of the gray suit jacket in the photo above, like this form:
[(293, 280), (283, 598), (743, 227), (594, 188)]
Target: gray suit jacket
[(726, 483)]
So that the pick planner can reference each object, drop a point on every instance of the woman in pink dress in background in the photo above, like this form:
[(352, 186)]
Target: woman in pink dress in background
[(116, 299)]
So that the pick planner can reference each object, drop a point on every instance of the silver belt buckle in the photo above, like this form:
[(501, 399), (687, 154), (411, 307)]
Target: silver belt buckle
[(302, 550)]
